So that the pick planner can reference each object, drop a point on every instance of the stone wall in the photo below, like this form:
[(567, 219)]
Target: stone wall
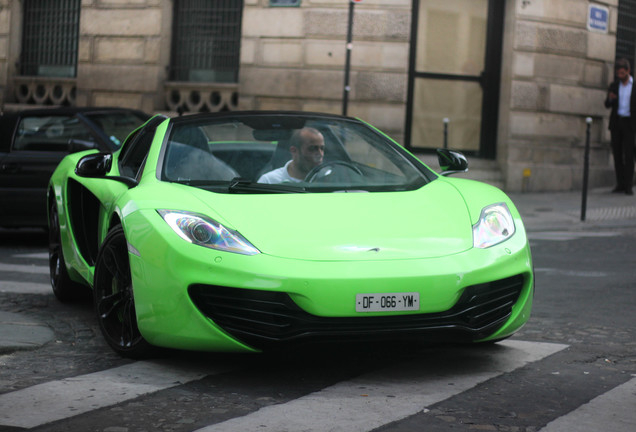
[(123, 53), (294, 58), (555, 75), (5, 48)]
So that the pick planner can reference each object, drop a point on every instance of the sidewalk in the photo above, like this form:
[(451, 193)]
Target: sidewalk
[(562, 210), (559, 211)]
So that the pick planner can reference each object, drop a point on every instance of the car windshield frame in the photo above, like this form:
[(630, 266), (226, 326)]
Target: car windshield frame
[(226, 153)]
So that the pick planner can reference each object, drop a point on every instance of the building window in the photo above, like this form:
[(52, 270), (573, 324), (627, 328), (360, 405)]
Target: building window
[(626, 30), (206, 41), (50, 38)]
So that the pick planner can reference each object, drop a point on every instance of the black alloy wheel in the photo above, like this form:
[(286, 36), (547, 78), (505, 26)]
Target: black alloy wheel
[(64, 288), (113, 297)]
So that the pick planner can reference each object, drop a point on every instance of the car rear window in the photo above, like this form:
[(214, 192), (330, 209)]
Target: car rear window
[(49, 133)]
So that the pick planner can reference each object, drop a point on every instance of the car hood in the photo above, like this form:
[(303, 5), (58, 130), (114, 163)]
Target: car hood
[(430, 222)]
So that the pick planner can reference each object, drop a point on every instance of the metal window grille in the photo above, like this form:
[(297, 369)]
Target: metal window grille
[(50, 38), (626, 30), (206, 40)]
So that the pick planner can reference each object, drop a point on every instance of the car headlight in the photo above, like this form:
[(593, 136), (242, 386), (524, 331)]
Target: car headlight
[(495, 225), (203, 231)]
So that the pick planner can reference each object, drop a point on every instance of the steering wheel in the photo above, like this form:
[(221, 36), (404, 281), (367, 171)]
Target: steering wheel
[(314, 173)]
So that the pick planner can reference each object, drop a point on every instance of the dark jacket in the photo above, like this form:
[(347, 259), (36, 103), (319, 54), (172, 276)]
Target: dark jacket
[(613, 88)]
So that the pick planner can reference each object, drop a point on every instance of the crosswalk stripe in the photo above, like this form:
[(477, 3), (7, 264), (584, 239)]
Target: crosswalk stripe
[(7, 286), (34, 255), (24, 268), (568, 235), (616, 408), (57, 400), (25, 287), (389, 395), (570, 273)]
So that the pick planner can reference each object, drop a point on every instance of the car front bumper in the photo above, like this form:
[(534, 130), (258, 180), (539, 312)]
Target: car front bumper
[(191, 297)]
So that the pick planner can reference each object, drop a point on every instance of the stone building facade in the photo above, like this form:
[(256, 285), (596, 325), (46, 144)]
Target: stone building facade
[(551, 72), (555, 75)]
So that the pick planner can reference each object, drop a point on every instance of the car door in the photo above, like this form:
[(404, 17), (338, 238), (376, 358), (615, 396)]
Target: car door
[(37, 144)]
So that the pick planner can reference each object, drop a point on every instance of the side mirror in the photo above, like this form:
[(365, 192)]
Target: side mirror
[(98, 165), (94, 165), (451, 162)]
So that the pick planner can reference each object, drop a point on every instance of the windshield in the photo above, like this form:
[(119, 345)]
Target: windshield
[(117, 124), (270, 153)]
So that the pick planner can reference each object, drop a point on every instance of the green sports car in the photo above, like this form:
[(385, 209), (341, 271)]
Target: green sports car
[(249, 231)]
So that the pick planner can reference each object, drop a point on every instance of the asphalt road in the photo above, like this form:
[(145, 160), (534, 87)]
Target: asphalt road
[(572, 368)]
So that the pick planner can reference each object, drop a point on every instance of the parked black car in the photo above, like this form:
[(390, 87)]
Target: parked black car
[(33, 142)]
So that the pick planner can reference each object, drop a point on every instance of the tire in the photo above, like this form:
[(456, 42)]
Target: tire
[(64, 288), (114, 301)]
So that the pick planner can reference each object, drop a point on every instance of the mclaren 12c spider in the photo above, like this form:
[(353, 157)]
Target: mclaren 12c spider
[(252, 231)]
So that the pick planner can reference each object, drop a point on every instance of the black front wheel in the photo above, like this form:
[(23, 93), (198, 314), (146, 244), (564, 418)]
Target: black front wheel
[(114, 300)]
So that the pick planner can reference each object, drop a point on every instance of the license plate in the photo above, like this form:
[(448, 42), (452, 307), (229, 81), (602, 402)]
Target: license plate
[(387, 302)]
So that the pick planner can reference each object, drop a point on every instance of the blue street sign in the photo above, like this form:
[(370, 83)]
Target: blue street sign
[(598, 18)]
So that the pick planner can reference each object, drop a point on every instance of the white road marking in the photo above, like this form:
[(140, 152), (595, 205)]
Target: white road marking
[(24, 268), (25, 287), (57, 400), (568, 235), (20, 287), (35, 255), (370, 401), (613, 410), (574, 273)]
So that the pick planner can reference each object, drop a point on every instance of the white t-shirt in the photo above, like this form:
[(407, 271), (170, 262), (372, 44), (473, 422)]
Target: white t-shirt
[(280, 175), (624, 95)]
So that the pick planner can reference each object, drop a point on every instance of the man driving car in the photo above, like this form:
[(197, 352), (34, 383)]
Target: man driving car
[(307, 148)]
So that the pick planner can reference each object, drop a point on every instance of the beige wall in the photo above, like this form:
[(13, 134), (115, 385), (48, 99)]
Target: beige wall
[(294, 58), (121, 61), (555, 75), (9, 30), (5, 19)]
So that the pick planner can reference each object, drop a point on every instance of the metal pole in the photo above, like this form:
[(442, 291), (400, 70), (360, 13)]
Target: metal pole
[(347, 88), (446, 120), (586, 167)]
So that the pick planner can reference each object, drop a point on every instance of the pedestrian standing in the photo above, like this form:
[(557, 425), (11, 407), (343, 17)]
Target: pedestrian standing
[(622, 125)]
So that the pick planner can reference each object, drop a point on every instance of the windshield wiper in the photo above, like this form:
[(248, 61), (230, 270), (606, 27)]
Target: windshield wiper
[(241, 185)]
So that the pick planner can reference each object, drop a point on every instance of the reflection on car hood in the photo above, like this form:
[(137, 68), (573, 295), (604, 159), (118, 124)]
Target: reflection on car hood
[(432, 221)]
